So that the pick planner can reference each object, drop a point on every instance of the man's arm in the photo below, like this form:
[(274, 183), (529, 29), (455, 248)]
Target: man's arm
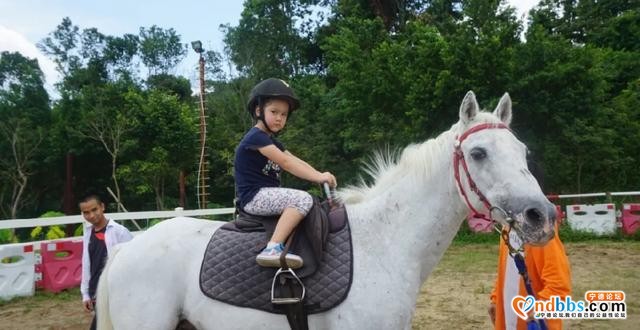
[(125, 235), (86, 264), (556, 272), (493, 297)]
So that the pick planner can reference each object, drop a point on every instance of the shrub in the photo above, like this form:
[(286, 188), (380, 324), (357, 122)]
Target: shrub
[(7, 236), (52, 232)]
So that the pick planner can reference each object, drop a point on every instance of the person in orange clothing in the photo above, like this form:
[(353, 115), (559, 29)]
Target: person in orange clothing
[(549, 273), (548, 270)]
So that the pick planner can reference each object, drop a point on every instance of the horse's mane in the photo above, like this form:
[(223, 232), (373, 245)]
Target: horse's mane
[(418, 160)]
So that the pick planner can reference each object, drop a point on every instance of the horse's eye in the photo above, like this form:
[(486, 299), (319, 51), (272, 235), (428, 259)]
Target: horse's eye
[(478, 153)]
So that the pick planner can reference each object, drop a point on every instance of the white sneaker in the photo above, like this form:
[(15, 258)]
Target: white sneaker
[(270, 257)]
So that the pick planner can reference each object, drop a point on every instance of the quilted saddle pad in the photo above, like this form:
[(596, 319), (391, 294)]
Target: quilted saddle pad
[(229, 272)]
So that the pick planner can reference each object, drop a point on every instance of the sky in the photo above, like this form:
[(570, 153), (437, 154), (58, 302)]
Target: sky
[(24, 23)]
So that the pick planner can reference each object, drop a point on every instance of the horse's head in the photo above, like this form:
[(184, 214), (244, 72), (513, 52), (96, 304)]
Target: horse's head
[(491, 171)]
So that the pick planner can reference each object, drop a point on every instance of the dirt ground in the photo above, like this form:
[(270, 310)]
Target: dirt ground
[(454, 297)]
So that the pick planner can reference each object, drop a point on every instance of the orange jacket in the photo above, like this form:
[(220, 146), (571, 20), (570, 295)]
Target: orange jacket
[(549, 273)]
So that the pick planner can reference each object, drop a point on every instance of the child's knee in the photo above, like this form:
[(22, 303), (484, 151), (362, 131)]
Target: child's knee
[(304, 203)]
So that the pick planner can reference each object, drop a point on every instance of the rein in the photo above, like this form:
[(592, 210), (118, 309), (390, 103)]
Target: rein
[(458, 160)]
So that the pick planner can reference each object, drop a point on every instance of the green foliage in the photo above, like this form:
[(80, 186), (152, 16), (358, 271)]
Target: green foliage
[(611, 24), (51, 214), (178, 86), (370, 75), (466, 236), (24, 121), (55, 232), (160, 49), (569, 235), (271, 38), (60, 46), (154, 222), (45, 296), (165, 131), (7, 236), (227, 122), (52, 232), (78, 231)]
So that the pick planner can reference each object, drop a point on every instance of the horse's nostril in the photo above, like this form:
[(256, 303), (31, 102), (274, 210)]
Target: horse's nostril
[(534, 215)]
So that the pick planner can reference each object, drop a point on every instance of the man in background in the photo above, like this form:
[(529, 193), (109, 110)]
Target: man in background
[(100, 236)]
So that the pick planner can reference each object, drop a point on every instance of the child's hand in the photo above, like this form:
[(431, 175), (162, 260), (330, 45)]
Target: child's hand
[(328, 178)]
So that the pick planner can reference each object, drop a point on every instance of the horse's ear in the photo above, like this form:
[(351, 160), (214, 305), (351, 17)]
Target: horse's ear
[(469, 108), (503, 110)]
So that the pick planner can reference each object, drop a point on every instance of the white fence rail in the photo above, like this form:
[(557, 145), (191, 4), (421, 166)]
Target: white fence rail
[(178, 212), (602, 194)]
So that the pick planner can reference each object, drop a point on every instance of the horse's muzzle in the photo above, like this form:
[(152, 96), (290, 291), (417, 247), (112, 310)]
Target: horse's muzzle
[(537, 225)]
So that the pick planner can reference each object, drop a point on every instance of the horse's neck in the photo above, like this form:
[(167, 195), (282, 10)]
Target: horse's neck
[(412, 223)]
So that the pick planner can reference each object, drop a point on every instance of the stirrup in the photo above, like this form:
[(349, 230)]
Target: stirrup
[(286, 300)]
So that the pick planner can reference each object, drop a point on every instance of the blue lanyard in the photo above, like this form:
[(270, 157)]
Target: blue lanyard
[(538, 324)]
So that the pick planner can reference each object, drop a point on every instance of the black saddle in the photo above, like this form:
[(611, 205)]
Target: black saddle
[(229, 272), (309, 239)]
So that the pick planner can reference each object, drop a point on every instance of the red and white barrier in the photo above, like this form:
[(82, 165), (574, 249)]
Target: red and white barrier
[(630, 218), (559, 214), (16, 271), (61, 266), (597, 218)]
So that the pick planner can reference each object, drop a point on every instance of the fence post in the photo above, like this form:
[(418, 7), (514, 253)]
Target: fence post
[(179, 212)]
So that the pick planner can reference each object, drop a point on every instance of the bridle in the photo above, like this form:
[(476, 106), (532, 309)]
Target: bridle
[(458, 161)]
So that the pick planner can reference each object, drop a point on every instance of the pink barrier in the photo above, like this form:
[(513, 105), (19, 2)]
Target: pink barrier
[(479, 225), (630, 218), (559, 214), (61, 266)]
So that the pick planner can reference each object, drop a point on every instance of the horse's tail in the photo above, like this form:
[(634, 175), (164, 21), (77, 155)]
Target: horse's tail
[(102, 295)]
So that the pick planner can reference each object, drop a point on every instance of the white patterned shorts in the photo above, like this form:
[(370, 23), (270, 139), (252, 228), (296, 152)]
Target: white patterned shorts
[(273, 201)]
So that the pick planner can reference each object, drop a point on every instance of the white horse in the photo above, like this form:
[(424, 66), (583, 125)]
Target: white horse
[(400, 225)]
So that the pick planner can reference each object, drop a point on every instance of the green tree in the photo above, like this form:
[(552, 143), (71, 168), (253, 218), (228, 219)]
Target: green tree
[(19, 147), (625, 119), (107, 122), (62, 46), (608, 24), (270, 39), (119, 54), (169, 84), (396, 88), (99, 114), (165, 134), (160, 49), (24, 119), (228, 120), (22, 93)]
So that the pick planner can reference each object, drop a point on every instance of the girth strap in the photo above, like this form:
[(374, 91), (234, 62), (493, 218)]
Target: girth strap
[(296, 314)]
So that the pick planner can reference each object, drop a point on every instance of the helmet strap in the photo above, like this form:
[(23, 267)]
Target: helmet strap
[(262, 118)]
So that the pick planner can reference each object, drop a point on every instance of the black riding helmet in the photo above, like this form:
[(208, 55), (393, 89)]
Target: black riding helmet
[(268, 89)]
